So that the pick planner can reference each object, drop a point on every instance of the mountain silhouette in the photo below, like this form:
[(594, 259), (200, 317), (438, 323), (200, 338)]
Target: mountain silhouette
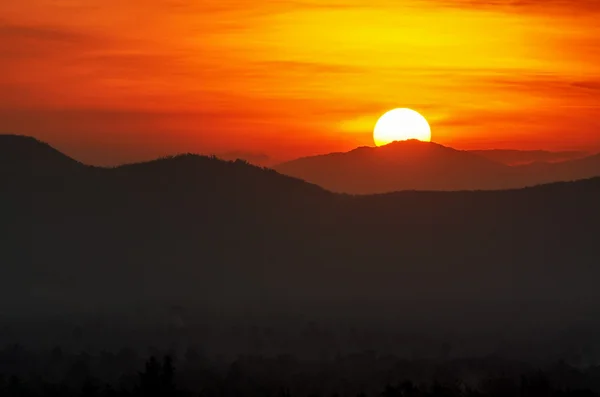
[(522, 157), (231, 238), (416, 165), (403, 165), (22, 152), (543, 172), (25, 159)]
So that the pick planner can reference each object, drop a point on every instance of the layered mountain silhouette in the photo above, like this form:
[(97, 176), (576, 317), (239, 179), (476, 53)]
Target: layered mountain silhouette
[(229, 237), (522, 157), (415, 165)]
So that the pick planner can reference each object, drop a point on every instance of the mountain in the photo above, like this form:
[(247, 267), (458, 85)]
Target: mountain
[(405, 165), (540, 172), (415, 165), (37, 160), (522, 157), (229, 240), (22, 152)]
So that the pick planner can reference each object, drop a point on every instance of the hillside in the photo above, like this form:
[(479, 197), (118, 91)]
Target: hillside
[(415, 165), (406, 165), (25, 160), (582, 168), (229, 237), (523, 157)]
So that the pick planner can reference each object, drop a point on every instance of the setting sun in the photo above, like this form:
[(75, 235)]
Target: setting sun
[(400, 125)]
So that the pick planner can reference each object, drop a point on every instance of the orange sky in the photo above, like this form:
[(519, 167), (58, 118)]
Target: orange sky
[(110, 81)]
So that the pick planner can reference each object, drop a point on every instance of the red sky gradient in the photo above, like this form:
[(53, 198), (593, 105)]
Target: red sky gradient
[(110, 81)]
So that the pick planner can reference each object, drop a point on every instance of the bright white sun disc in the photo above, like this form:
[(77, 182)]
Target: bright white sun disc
[(400, 125)]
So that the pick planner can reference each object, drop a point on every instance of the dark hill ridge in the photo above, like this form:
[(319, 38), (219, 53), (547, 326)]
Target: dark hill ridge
[(27, 152), (190, 171), (26, 155), (26, 160), (230, 238)]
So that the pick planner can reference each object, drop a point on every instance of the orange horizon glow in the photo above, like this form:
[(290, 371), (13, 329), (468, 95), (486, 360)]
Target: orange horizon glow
[(110, 81)]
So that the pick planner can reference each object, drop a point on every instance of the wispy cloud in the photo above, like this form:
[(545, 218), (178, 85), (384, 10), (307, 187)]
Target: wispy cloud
[(298, 73), (538, 6)]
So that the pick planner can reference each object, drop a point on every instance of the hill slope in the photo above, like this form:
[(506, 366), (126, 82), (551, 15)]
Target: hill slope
[(232, 238), (414, 165), (522, 157), (25, 159), (406, 165)]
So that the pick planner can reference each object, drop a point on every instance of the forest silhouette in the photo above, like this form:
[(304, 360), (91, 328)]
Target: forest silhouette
[(58, 373)]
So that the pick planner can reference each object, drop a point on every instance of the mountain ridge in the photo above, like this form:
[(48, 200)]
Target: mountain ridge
[(415, 165), (419, 164), (243, 238), (405, 165), (514, 157)]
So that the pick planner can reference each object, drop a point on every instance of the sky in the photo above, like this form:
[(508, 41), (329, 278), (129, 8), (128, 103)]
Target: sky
[(113, 81)]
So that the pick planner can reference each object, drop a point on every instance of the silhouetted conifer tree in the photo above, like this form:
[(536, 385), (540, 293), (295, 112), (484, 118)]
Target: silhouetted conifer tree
[(150, 379), (168, 375)]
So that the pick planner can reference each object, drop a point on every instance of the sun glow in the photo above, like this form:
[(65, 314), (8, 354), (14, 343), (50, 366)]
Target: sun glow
[(400, 125)]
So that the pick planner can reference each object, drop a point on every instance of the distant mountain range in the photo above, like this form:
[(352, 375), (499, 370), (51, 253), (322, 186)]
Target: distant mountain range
[(415, 165), (227, 237), (522, 157)]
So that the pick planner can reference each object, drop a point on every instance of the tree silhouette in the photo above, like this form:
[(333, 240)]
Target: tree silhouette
[(158, 379), (150, 379), (168, 376)]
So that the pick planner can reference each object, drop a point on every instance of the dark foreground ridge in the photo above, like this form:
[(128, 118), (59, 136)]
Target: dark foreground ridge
[(198, 250)]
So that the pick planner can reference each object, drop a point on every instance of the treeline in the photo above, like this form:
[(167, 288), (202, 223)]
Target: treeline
[(125, 373)]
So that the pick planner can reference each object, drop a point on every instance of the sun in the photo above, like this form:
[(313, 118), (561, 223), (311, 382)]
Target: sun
[(399, 125)]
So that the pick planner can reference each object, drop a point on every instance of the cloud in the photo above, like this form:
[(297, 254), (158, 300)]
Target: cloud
[(550, 87), (18, 32), (588, 85), (223, 70), (539, 6), (309, 67), (31, 41), (28, 51)]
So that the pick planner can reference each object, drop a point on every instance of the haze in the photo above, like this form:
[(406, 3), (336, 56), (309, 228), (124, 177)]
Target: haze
[(113, 82), (195, 201)]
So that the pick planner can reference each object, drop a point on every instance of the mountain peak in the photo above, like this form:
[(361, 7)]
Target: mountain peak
[(31, 155), (405, 148), (414, 144), (28, 162), (400, 165), (410, 142)]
